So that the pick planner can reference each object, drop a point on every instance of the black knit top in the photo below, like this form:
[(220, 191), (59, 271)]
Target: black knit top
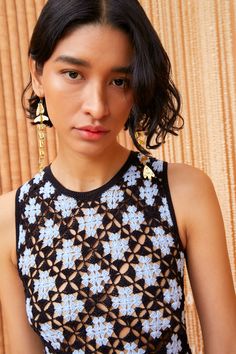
[(103, 270)]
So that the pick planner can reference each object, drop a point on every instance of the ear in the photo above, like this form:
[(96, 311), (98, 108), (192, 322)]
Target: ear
[(36, 76)]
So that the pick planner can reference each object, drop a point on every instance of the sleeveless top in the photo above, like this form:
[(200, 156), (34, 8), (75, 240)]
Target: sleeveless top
[(103, 270)]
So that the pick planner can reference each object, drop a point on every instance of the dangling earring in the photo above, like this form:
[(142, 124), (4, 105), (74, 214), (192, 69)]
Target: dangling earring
[(41, 131), (147, 171)]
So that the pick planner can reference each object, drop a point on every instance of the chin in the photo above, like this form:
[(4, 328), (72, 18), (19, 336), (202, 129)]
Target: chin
[(94, 151)]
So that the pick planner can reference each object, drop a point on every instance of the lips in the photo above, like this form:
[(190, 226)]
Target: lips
[(93, 129), (90, 132)]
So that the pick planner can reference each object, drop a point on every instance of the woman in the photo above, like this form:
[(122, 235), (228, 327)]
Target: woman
[(101, 234)]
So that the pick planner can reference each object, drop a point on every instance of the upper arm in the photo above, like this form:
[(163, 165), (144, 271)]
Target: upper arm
[(202, 228), (21, 337)]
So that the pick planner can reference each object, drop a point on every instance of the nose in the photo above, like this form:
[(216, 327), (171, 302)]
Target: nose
[(95, 101)]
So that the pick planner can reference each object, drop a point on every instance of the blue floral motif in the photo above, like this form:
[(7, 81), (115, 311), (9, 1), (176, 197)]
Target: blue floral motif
[(148, 192), (32, 210), (112, 197), (165, 212), (173, 295), (100, 331), (180, 264), (44, 284), (29, 311), (175, 346), (96, 277), (47, 190), (22, 235), (132, 349), (69, 307), (131, 176), (65, 205), (68, 254), (116, 247), (90, 222), (156, 324), (38, 177), (26, 261), (48, 233), (133, 218), (55, 337), (147, 270), (127, 302), (23, 190), (162, 241), (158, 165)]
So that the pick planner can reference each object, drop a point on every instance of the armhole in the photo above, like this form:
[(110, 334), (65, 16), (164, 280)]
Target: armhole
[(17, 228), (171, 206), (17, 221)]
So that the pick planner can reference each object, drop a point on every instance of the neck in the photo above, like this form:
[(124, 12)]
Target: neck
[(81, 173)]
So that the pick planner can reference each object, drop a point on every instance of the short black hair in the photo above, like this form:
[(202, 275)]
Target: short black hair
[(157, 102)]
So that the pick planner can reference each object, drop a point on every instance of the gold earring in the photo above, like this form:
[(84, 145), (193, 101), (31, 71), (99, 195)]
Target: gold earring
[(139, 138), (147, 171), (41, 131)]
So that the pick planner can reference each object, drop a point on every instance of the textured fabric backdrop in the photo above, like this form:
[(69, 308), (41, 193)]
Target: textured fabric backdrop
[(200, 37)]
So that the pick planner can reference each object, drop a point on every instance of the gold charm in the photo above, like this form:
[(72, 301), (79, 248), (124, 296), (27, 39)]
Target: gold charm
[(40, 117), (147, 171)]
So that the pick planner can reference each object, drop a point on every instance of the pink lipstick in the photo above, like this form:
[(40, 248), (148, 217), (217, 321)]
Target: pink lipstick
[(90, 132)]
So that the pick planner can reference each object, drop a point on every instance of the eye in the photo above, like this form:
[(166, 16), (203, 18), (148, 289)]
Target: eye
[(120, 83), (72, 75)]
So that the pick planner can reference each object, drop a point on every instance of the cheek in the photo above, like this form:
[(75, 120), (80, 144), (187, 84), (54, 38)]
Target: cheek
[(58, 103), (124, 103)]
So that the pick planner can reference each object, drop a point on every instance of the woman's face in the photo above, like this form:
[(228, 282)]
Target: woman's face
[(86, 84)]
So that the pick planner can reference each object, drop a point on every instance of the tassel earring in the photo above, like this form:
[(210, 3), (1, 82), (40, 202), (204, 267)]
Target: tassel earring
[(41, 131)]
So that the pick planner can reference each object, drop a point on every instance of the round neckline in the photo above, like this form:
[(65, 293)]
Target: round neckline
[(87, 195)]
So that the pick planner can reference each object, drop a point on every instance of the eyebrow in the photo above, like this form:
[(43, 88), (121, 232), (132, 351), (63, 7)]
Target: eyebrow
[(80, 62)]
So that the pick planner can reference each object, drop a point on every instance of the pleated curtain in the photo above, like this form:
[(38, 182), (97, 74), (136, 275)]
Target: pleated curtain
[(200, 38)]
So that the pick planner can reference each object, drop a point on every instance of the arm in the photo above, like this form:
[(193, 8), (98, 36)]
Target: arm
[(202, 230), (21, 337)]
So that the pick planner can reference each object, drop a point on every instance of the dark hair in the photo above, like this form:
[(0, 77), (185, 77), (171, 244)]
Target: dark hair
[(157, 103)]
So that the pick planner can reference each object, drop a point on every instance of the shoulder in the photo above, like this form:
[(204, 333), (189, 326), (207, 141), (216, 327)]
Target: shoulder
[(194, 198), (7, 207), (189, 180), (7, 224)]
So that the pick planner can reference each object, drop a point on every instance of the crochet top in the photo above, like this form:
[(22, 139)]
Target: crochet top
[(103, 270)]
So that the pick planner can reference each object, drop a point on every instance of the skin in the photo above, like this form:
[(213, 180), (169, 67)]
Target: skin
[(95, 95)]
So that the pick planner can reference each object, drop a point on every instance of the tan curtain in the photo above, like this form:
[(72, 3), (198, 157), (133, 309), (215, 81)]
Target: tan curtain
[(199, 36)]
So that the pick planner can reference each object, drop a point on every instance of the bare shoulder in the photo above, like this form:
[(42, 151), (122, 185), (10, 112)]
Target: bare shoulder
[(191, 184), (7, 202), (192, 194), (7, 224), (189, 179), (7, 207)]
